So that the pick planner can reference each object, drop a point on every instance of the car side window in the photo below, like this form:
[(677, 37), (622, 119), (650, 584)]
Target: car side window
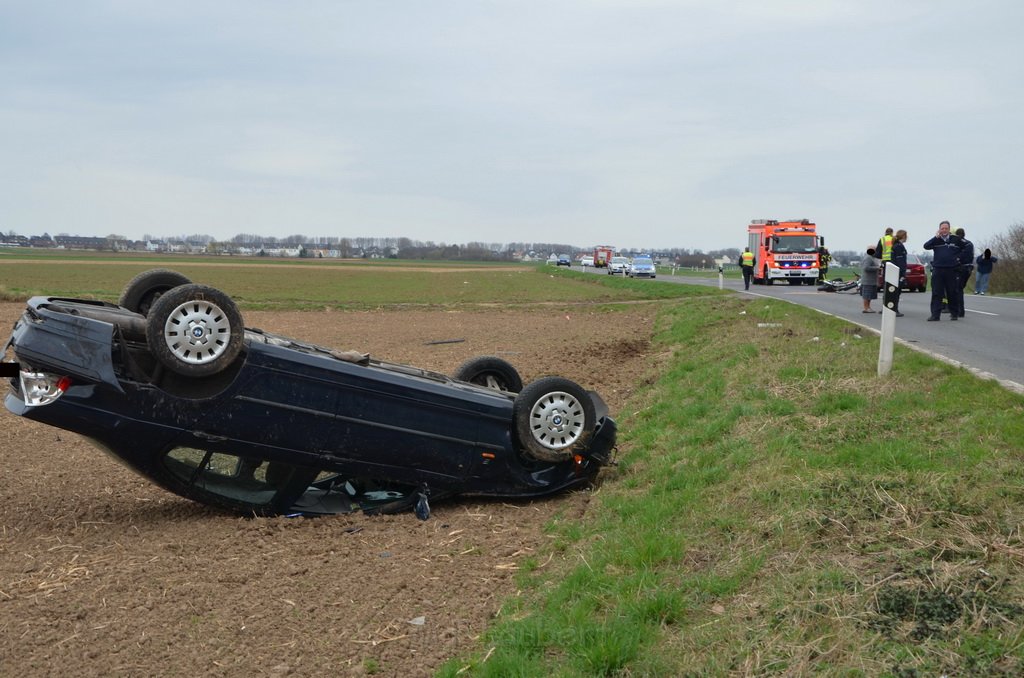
[(228, 475)]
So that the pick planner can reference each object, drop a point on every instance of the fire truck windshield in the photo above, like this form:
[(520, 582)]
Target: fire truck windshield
[(794, 243)]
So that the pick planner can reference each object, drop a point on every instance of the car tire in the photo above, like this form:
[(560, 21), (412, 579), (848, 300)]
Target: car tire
[(195, 330), (490, 372), (144, 289), (553, 418)]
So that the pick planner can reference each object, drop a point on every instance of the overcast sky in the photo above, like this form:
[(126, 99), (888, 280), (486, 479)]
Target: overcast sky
[(635, 123)]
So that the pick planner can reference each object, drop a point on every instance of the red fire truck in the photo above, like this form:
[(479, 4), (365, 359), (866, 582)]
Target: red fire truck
[(602, 256), (784, 250)]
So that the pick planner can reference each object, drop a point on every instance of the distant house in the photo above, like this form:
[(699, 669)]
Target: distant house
[(280, 251), (79, 242), (14, 241)]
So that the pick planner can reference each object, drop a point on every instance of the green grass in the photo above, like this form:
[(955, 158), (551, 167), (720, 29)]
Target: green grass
[(779, 509)]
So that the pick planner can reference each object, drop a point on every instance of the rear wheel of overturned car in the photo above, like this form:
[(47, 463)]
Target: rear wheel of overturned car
[(195, 330), (144, 289), (492, 372), (554, 418)]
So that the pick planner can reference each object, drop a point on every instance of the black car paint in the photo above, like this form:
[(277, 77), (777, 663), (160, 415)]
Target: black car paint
[(285, 402)]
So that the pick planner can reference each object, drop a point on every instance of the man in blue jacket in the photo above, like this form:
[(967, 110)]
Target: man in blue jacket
[(945, 264), (966, 265)]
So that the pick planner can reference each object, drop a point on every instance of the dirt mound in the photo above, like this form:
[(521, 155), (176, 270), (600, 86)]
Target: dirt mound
[(102, 573)]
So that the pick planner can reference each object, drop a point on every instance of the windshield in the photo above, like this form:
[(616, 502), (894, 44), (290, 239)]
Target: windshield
[(620, 260), (642, 262), (795, 243)]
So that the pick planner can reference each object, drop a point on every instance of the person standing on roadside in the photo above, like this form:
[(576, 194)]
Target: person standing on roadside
[(883, 250), (946, 252), (899, 260), (747, 264), (824, 259), (966, 266), (869, 278), (984, 270)]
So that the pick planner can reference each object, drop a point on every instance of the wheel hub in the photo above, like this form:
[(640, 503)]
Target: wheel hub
[(557, 420), (196, 332)]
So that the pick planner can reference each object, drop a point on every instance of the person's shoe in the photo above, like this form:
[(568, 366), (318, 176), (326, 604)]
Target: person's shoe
[(954, 317), (898, 314), (981, 293), (933, 319)]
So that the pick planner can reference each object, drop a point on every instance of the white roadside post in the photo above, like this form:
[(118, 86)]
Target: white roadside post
[(721, 277), (892, 279)]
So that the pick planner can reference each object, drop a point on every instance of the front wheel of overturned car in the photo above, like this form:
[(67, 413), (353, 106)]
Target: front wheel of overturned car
[(195, 330), (143, 290), (554, 418), (492, 372)]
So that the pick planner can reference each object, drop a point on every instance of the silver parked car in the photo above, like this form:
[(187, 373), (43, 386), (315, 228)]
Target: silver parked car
[(618, 265)]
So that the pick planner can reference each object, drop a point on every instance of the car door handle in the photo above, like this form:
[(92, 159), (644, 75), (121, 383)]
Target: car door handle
[(209, 437)]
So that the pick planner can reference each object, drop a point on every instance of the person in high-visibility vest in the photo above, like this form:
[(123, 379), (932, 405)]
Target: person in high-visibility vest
[(747, 262), (883, 250), (824, 259)]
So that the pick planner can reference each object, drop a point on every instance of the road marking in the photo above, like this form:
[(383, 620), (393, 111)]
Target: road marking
[(981, 312)]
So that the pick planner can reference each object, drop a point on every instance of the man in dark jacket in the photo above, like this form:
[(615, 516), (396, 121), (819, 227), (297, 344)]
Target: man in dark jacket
[(966, 265), (899, 258), (945, 281)]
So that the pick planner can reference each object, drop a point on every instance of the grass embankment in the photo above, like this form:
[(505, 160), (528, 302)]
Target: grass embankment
[(780, 509)]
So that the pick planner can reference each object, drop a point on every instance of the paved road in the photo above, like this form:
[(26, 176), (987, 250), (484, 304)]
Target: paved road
[(988, 341)]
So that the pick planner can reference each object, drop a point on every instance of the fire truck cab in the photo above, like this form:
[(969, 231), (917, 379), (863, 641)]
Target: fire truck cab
[(603, 256), (784, 250)]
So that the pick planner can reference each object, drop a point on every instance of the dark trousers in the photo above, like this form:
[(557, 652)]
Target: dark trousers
[(946, 284), (964, 273), (748, 273)]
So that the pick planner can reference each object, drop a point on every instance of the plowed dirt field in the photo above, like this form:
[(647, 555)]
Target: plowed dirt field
[(104, 574)]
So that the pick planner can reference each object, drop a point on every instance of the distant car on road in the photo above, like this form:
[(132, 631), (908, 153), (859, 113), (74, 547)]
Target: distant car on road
[(642, 267), (587, 261), (564, 260), (618, 265)]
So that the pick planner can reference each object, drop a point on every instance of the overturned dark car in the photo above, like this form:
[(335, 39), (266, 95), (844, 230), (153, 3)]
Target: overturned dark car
[(171, 382)]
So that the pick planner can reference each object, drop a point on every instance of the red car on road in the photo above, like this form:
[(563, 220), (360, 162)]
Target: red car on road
[(916, 279)]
